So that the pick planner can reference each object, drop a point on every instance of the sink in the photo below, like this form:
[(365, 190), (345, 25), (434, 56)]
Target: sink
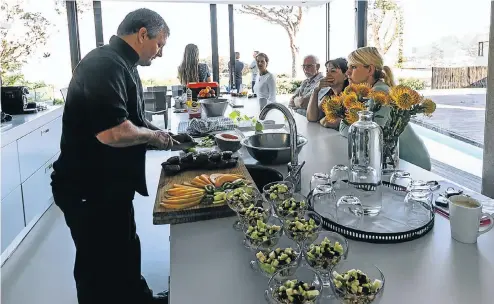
[(272, 148), (263, 175)]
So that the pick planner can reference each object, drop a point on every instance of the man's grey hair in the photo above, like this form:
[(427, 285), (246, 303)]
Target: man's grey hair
[(313, 57), (140, 18)]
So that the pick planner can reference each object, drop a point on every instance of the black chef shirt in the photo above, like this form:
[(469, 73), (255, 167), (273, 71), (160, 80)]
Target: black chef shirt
[(105, 90)]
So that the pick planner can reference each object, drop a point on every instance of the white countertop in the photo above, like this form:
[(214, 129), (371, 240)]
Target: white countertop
[(210, 265), (23, 124)]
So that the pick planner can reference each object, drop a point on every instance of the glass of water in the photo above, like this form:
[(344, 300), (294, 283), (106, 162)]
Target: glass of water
[(418, 204), (319, 179)]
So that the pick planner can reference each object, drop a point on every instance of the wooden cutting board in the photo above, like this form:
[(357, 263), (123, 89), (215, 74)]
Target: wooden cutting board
[(162, 215)]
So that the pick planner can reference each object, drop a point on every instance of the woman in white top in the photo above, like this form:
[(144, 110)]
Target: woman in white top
[(266, 81)]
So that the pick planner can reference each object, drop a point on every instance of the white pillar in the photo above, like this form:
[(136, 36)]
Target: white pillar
[(488, 166)]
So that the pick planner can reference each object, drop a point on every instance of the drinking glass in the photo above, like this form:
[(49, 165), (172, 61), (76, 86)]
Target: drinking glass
[(418, 204), (319, 179), (401, 178), (349, 211), (323, 201), (339, 177)]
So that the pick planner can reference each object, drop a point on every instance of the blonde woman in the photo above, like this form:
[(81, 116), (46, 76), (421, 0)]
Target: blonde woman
[(191, 70), (365, 65)]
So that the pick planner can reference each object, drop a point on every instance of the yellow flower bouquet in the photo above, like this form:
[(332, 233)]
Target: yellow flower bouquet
[(402, 101)]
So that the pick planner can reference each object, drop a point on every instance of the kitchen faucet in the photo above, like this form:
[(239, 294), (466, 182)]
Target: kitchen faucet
[(294, 169)]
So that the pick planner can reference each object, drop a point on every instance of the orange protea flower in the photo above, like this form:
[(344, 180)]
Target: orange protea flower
[(349, 99), (351, 114), (429, 107), (331, 104), (331, 117), (404, 97), (351, 88), (363, 90), (380, 97)]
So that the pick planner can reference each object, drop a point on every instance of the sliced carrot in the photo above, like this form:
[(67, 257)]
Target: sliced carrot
[(205, 178), (176, 193), (198, 180), (181, 200), (180, 190), (181, 206), (194, 186), (185, 186), (183, 197)]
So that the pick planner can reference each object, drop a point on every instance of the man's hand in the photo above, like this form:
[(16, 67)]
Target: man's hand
[(162, 140), (291, 104), (182, 138)]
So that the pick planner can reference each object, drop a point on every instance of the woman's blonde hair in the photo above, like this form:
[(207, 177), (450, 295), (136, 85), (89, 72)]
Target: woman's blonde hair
[(188, 70), (369, 55)]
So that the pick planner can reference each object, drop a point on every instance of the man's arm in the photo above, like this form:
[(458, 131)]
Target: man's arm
[(126, 134), (105, 88)]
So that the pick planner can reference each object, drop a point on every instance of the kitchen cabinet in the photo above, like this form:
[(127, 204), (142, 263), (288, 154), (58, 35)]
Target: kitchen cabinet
[(39, 146), (12, 217), (31, 145), (37, 191), (10, 178)]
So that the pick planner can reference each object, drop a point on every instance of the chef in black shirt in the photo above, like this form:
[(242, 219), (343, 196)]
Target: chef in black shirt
[(102, 162)]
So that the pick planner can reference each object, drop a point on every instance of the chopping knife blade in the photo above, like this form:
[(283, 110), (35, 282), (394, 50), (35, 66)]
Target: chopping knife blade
[(184, 146)]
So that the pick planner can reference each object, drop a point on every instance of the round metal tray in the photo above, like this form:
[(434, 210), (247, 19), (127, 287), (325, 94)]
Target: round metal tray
[(396, 234)]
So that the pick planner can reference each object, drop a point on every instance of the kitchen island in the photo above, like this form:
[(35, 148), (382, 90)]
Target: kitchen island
[(209, 264)]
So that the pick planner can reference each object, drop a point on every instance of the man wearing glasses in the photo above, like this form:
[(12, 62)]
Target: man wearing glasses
[(301, 97)]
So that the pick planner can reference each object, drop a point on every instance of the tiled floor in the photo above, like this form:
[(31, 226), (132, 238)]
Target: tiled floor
[(40, 270)]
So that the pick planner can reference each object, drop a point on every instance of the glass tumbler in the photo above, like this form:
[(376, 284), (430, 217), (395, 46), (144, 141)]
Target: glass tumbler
[(319, 179), (418, 204), (349, 211), (401, 178), (323, 201), (339, 177)]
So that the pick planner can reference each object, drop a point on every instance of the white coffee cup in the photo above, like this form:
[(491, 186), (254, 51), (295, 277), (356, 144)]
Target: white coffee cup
[(464, 216)]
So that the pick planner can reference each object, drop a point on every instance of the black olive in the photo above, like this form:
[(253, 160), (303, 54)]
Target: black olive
[(201, 159), (209, 165), (174, 160), (172, 169), (222, 164), (231, 163), (214, 157), (188, 158), (226, 154)]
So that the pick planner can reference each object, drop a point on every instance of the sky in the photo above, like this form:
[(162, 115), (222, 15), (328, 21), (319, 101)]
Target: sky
[(425, 21)]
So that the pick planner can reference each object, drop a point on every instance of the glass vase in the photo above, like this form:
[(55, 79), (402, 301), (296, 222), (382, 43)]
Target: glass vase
[(365, 144), (391, 156)]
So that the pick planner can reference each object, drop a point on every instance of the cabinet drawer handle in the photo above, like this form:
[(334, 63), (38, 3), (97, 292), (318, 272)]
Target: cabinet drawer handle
[(47, 169), (45, 131)]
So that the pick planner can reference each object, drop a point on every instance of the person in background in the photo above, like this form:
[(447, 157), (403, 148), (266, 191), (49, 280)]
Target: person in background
[(365, 65), (239, 68), (254, 70), (103, 159), (301, 96), (333, 84), (191, 70), (266, 81)]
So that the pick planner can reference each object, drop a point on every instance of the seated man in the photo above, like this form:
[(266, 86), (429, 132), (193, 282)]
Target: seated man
[(301, 97)]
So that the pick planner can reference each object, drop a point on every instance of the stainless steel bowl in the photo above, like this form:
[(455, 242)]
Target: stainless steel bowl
[(272, 148), (214, 107)]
